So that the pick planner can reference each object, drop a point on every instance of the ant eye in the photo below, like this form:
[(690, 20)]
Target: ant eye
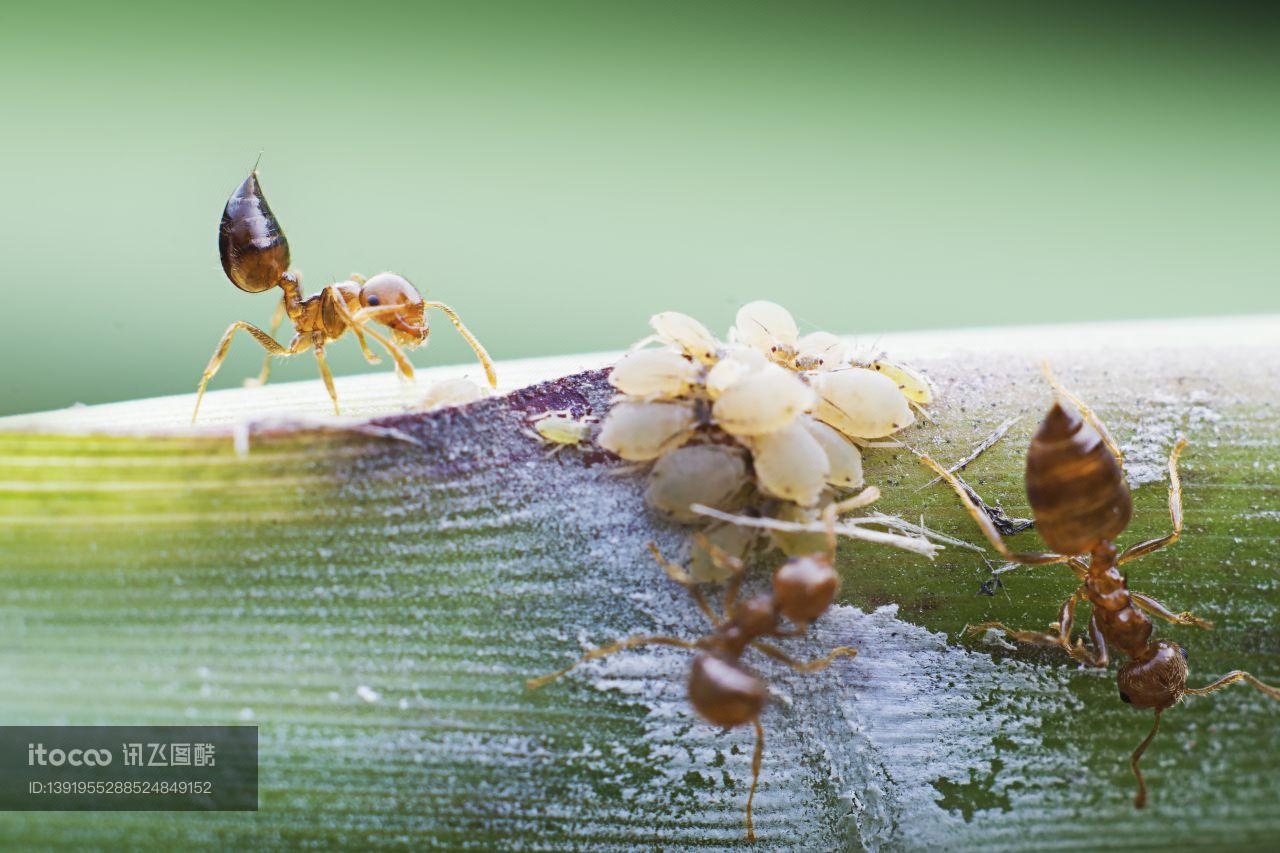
[(1124, 697), (373, 300)]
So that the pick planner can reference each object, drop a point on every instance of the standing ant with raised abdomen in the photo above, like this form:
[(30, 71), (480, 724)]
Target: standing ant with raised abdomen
[(1078, 494), (721, 689), (255, 257)]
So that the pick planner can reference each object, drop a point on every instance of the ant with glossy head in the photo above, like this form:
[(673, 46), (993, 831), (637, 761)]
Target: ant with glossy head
[(720, 688), (255, 257), (1078, 493)]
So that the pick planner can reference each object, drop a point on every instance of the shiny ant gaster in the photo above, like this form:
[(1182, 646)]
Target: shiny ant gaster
[(1077, 490), (255, 257)]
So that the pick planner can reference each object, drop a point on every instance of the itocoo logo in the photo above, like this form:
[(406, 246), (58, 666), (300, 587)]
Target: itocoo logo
[(37, 754)]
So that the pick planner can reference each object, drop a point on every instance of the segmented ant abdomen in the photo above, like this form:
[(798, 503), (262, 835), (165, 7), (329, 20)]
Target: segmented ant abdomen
[(254, 251), (724, 693), (1076, 488)]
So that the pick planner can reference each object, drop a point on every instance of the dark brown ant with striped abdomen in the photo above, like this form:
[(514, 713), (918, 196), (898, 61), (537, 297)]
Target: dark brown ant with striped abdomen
[(721, 689), (255, 257), (1077, 490)]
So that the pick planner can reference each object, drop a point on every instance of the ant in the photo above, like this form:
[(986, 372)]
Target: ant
[(1078, 493), (723, 691), (255, 257)]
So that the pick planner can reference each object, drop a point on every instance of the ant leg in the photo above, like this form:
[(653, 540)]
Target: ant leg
[(1100, 655), (1231, 678), (815, 665), (276, 320), (476, 346), (1060, 638), (1175, 513), (1155, 608), (318, 344), (755, 777), (358, 325), (682, 577), (270, 344), (1140, 800), (988, 527), (604, 651), (1085, 412), (734, 565)]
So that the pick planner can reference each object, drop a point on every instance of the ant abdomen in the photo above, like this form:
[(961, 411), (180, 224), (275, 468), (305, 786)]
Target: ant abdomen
[(1074, 484), (723, 693), (1156, 679), (253, 248)]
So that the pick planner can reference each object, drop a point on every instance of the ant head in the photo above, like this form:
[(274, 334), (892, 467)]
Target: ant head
[(723, 693), (408, 325), (804, 587), (756, 616), (1157, 679)]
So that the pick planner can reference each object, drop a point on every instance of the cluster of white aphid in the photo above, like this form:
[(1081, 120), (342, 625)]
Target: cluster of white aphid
[(769, 419)]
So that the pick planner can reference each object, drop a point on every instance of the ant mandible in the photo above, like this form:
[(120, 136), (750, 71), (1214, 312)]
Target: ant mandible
[(1078, 493), (723, 691), (255, 257)]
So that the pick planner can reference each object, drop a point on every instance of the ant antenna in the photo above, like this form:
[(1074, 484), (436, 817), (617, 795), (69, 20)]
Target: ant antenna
[(1140, 800), (259, 160)]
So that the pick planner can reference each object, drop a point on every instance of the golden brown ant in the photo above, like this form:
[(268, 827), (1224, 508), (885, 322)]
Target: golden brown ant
[(721, 689), (255, 257), (1077, 490)]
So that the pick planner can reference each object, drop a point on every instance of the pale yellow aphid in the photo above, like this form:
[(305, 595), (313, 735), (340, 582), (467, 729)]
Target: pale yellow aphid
[(843, 457), (452, 392), (735, 363), (798, 543), (861, 403), (821, 351), (791, 464), (687, 334), (763, 401), (710, 474), (563, 428), (914, 385), (769, 328), (733, 540), (640, 431), (654, 373)]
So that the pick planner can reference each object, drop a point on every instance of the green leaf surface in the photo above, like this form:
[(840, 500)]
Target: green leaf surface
[(374, 600)]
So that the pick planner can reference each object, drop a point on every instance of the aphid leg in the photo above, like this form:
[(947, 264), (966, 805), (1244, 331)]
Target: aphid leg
[(682, 577), (815, 665), (317, 342), (1155, 608), (268, 343), (924, 413), (755, 777), (1231, 678), (1101, 657), (276, 320), (476, 346), (1140, 800), (987, 526), (605, 651), (1085, 412), (1175, 513)]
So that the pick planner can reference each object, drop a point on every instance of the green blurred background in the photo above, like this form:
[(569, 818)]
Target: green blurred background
[(559, 172)]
